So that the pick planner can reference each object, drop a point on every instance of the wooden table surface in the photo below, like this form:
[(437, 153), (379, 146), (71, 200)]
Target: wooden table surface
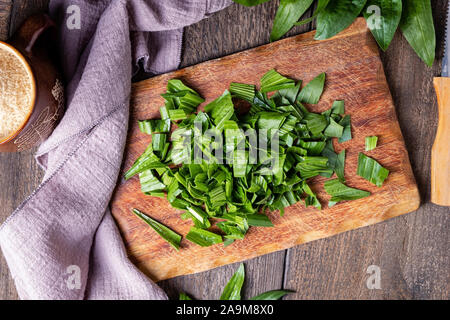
[(412, 250)]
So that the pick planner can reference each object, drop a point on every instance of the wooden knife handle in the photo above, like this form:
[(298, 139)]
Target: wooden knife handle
[(440, 153)]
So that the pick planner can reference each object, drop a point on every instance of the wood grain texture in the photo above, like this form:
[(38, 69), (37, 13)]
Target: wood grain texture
[(412, 250), (19, 172), (355, 76), (5, 15), (440, 153)]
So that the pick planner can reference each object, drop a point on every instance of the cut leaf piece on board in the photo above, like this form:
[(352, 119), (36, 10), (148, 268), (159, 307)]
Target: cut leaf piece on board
[(232, 290), (289, 11), (203, 237), (337, 16), (340, 192), (418, 28), (272, 295), (167, 234), (383, 18), (272, 81), (347, 133), (371, 143), (313, 90), (340, 165), (371, 170)]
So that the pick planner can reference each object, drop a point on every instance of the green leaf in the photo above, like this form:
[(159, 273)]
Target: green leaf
[(347, 133), (250, 3), (243, 91), (173, 238), (316, 123), (150, 183), (321, 4), (203, 237), (184, 296), (272, 295), (340, 165), (334, 129), (221, 109), (289, 11), (259, 220), (383, 18), (418, 28), (232, 290), (337, 16), (272, 81), (371, 170), (371, 143), (340, 192), (313, 90)]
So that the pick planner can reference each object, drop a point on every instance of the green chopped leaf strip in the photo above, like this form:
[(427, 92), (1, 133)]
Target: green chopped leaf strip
[(313, 90), (232, 290), (272, 295), (340, 192), (225, 169), (371, 170), (273, 81), (184, 296), (203, 237), (173, 238), (243, 91), (371, 143)]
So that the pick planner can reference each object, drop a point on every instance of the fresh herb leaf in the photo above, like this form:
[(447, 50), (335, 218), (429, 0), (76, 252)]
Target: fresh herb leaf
[(383, 18), (259, 220), (418, 28), (313, 90), (347, 132), (334, 129), (340, 192), (340, 164), (371, 170), (371, 143), (203, 237), (287, 15), (337, 16), (272, 295), (273, 81), (173, 238), (184, 296), (232, 290), (321, 4)]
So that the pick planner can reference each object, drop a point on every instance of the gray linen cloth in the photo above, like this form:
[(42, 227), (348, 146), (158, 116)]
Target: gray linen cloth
[(62, 242)]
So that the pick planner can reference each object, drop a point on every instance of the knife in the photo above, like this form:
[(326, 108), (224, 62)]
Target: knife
[(440, 153)]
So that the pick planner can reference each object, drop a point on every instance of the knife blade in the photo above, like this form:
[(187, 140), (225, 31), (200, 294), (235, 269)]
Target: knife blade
[(440, 152)]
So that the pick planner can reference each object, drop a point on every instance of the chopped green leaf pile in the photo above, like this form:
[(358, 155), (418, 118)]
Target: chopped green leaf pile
[(233, 166)]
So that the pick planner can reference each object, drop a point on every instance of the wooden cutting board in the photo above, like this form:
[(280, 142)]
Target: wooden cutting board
[(354, 74)]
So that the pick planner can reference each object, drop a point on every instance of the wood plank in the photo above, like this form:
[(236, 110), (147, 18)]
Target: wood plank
[(411, 250), (19, 173), (5, 16), (355, 76)]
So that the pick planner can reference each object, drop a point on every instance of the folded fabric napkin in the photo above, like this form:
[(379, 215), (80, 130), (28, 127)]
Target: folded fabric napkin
[(62, 242)]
